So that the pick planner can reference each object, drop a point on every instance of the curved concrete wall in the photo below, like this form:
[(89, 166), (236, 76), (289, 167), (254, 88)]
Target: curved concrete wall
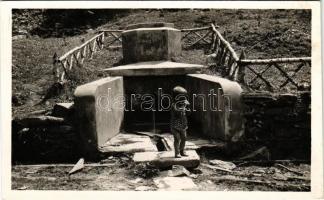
[(96, 120), (225, 122)]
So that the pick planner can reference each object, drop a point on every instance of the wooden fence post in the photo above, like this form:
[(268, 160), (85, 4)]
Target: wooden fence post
[(241, 69), (56, 70), (212, 44)]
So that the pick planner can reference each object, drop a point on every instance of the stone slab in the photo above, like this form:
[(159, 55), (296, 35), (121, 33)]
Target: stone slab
[(96, 120), (128, 143), (174, 183), (165, 159), (155, 68)]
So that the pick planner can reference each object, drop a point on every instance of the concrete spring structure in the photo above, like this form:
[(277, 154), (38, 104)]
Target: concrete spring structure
[(148, 48)]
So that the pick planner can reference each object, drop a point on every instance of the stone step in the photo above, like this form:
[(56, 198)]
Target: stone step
[(165, 159), (128, 143)]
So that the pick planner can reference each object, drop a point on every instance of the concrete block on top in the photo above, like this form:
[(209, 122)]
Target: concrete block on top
[(151, 43), (150, 25), (155, 68)]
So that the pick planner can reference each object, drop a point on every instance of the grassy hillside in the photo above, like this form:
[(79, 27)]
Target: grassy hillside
[(262, 33)]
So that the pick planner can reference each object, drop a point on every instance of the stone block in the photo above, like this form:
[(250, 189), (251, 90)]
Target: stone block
[(155, 68), (151, 44), (97, 120), (220, 118), (128, 143), (165, 159)]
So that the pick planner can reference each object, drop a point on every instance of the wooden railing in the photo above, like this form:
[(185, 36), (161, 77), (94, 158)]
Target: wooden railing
[(277, 74), (196, 36), (64, 65), (223, 55), (113, 37), (257, 74)]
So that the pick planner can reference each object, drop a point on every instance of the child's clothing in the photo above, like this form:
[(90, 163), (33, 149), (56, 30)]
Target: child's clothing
[(179, 126), (178, 118), (180, 137)]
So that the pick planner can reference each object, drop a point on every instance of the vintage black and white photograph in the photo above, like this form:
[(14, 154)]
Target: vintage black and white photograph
[(161, 99)]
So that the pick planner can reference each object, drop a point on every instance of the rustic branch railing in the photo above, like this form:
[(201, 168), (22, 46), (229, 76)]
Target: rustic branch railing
[(223, 57), (194, 36), (63, 65), (253, 72), (113, 37), (249, 72), (276, 74)]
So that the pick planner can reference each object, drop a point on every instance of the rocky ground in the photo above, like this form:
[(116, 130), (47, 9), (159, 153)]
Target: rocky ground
[(119, 173), (262, 34), (49, 161)]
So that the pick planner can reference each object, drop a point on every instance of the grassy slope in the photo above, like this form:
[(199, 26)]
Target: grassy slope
[(280, 33), (32, 68)]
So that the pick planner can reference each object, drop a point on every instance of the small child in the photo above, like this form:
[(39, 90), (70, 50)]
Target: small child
[(179, 123)]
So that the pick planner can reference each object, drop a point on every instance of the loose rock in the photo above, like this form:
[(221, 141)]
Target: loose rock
[(77, 167), (175, 183), (223, 164)]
